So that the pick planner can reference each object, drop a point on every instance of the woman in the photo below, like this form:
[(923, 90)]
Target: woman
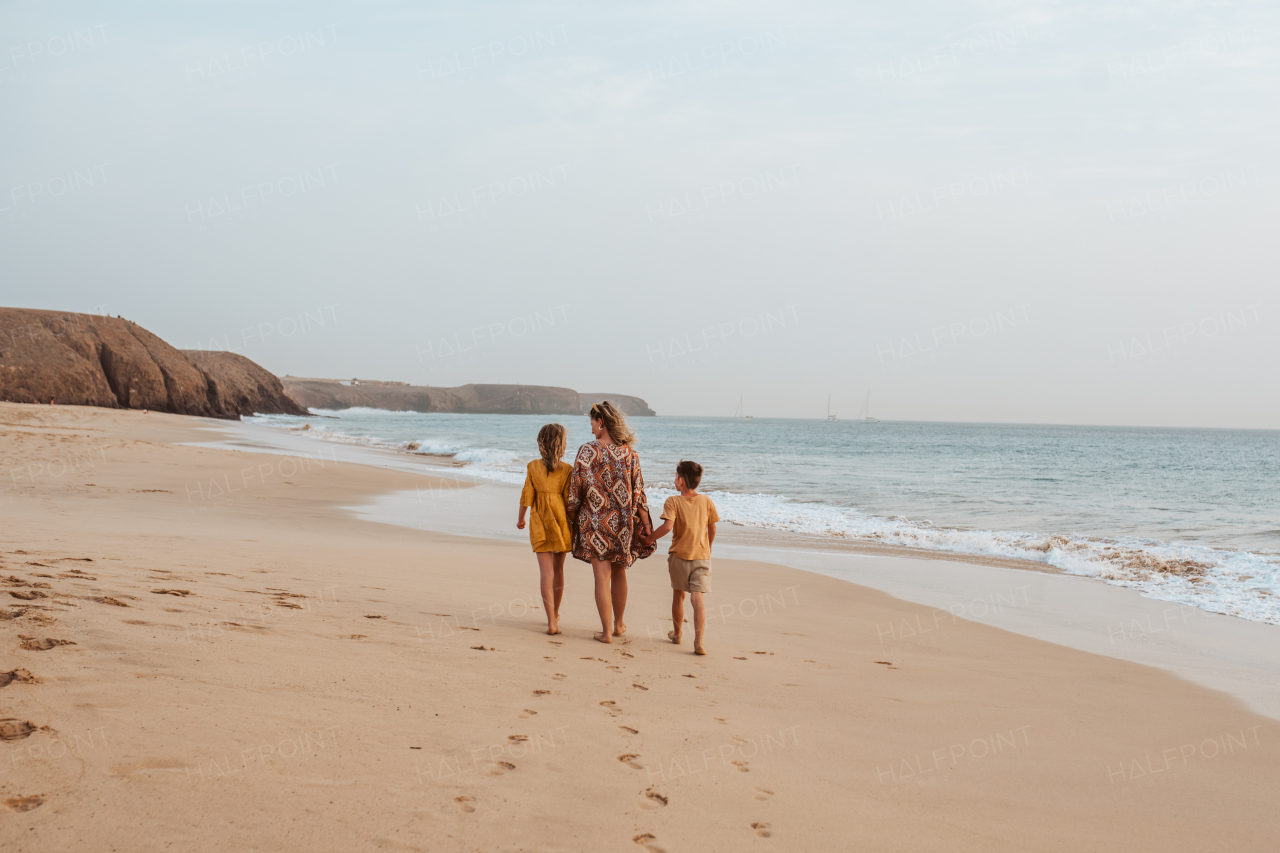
[(546, 492), (610, 512)]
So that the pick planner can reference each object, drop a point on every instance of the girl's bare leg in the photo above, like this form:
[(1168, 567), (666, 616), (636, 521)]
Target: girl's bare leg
[(547, 582), (677, 616), (603, 570), (558, 585), (619, 587)]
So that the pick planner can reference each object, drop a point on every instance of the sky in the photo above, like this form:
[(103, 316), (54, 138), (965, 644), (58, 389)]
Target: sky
[(965, 211)]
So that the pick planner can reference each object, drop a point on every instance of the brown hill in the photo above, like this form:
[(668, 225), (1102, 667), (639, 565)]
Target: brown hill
[(88, 360)]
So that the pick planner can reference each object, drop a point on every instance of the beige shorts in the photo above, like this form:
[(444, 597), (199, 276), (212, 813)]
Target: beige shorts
[(689, 575)]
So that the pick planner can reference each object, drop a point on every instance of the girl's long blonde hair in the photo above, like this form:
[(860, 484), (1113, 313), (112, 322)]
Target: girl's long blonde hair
[(551, 441), (614, 422)]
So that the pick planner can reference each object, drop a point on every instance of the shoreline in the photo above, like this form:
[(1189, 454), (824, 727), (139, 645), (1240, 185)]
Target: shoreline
[(1233, 579), (1238, 656)]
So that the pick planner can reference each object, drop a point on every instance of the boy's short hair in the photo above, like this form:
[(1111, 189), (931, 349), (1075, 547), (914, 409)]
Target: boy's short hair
[(690, 472)]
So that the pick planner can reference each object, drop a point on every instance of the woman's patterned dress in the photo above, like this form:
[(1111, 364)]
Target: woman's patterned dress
[(607, 496)]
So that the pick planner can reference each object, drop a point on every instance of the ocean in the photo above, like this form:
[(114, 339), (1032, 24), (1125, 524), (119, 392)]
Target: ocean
[(1183, 515)]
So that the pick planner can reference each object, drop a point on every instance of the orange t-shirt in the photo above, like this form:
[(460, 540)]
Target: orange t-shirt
[(689, 518)]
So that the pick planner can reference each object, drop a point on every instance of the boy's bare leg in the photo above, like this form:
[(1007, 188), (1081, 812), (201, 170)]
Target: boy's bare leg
[(619, 587), (557, 565), (699, 622), (602, 570), (547, 581), (677, 616)]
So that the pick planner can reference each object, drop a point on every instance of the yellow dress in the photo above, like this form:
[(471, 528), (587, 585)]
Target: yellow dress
[(546, 494)]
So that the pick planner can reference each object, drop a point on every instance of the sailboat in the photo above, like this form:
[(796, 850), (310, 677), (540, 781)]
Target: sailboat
[(738, 413), (830, 416), (866, 412)]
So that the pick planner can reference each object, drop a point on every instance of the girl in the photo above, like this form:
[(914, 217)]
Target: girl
[(546, 489)]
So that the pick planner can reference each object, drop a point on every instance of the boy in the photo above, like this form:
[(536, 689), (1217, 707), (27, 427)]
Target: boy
[(693, 519)]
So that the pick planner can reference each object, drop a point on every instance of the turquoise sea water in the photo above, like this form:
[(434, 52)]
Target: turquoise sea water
[(1183, 515)]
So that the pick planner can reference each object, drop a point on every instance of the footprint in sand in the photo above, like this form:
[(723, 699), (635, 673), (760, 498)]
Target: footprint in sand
[(886, 663), (37, 644), (763, 793), (517, 738), (352, 636), (742, 765), (721, 721), (555, 642), (526, 714), (738, 658), (21, 676), (559, 676), (12, 729), (181, 593), (483, 649), (629, 730), (541, 692), (645, 840), (24, 804), (653, 795), (106, 599), (464, 804), (629, 759), (373, 616), (762, 829), (501, 768)]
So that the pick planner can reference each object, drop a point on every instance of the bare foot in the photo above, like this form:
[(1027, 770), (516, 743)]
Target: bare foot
[(553, 630), (619, 629), (697, 648), (674, 636), (602, 637)]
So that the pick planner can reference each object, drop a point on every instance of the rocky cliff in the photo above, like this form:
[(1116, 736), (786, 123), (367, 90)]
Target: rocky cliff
[(87, 360), (241, 385)]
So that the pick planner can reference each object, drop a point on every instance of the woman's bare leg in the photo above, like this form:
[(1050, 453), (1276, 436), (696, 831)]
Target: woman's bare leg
[(547, 582), (558, 586), (619, 587), (603, 570)]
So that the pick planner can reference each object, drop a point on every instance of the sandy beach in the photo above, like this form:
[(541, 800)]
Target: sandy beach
[(210, 651)]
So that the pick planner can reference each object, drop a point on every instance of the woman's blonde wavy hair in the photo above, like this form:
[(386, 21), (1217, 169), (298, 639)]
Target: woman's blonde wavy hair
[(614, 422), (551, 441)]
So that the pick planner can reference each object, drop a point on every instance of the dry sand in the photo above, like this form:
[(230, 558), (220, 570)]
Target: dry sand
[(258, 669)]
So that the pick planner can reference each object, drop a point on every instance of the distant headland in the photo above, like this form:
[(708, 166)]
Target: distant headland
[(465, 399)]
